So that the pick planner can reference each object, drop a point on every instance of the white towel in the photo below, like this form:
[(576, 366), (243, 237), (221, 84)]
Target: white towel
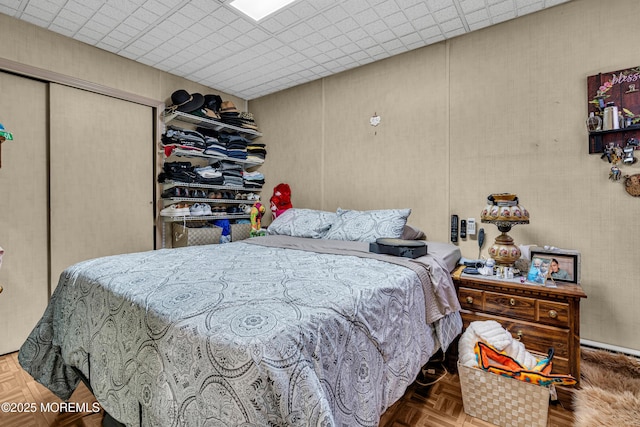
[(492, 333)]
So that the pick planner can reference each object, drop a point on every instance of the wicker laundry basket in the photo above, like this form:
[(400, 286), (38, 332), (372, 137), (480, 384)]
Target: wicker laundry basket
[(503, 401), (193, 236), (240, 231)]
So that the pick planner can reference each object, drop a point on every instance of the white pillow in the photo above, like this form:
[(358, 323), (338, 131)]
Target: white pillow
[(367, 226), (298, 222)]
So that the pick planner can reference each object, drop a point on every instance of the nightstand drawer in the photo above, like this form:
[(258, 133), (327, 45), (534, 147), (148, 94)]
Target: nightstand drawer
[(553, 313), (510, 305), (470, 299), (536, 338)]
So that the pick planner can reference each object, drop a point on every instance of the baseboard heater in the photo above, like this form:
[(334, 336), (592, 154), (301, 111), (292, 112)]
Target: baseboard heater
[(614, 348)]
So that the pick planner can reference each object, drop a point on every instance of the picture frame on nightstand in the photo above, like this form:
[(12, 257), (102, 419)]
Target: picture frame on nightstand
[(539, 271), (565, 264)]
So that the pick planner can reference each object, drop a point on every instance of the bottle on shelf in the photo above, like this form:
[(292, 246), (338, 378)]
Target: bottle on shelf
[(594, 123), (610, 117)]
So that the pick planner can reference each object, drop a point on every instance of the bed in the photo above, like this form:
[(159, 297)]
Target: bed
[(300, 327)]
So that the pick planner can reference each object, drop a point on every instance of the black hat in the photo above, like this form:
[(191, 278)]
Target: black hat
[(213, 102), (186, 103)]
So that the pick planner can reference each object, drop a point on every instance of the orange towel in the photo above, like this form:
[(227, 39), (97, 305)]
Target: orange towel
[(489, 359)]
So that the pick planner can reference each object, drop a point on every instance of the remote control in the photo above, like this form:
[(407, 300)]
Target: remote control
[(454, 228), (463, 228)]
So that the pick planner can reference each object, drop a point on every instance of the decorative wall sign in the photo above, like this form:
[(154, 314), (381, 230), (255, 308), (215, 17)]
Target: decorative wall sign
[(614, 97)]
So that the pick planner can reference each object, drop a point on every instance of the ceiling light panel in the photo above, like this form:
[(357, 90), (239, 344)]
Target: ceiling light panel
[(259, 9)]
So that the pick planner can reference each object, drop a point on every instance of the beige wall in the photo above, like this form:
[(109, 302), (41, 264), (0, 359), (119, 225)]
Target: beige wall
[(498, 110)]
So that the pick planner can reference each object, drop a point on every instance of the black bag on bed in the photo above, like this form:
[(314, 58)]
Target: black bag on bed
[(399, 247)]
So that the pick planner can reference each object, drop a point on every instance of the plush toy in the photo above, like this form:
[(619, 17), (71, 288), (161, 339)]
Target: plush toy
[(257, 210), (4, 136), (281, 199)]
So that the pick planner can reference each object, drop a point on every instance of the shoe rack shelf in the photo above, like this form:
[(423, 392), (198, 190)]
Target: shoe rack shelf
[(204, 217), (210, 123), (169, 184), (245, 163), (190, 121)]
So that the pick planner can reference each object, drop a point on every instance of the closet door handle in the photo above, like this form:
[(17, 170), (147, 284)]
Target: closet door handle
[(1, 289)]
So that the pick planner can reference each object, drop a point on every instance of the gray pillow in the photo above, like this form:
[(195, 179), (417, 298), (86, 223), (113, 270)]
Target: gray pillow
[(412, 233), (367, 226), (298, 222)]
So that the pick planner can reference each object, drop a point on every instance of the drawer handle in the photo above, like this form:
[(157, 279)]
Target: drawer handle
[(469, 300), (519, 334), (512, 302), (1, 289), (553, 314)]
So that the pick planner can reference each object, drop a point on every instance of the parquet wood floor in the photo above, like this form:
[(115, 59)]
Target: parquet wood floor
[(439, 405)]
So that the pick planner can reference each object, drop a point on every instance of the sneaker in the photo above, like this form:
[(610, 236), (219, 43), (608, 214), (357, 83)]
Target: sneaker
[(206, 209), (196, 209), (175, 210)]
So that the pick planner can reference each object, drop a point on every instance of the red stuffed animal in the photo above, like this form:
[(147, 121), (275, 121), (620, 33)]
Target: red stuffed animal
[(281, 199)]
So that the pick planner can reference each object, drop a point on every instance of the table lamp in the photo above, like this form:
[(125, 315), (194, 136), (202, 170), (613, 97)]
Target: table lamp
[(504, 211)]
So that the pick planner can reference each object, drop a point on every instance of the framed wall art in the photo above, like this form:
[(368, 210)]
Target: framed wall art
[(564, 264), (613, 107)]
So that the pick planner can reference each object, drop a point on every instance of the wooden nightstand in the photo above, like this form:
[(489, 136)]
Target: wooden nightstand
[(541, 317)]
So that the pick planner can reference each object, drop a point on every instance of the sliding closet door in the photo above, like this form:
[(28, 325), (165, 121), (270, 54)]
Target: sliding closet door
[(101, 177), (23, 209)]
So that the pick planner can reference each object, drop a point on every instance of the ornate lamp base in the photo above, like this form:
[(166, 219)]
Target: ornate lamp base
[(504, 251)]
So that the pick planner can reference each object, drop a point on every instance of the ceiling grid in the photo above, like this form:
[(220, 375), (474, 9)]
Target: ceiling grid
[(211, 43)]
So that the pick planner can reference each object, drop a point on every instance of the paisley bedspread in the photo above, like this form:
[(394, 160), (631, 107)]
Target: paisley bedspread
[(238, 334)]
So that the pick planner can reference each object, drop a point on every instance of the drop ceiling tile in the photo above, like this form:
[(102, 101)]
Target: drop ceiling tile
[(411, 39), (154, 8), (366, 17), (502, 8), (477, 16), (384, 36), (423, 22), (452, 25), (285, 17), (387, 8), (393, 45), (366, 43), (469, 6), (529, 3), (504, 17), (82, 9), (403, 29), (47, 12), (355, 7), (318, 22), (350, 48), (431, 32), (446, 14), (357, 34), (436, 5), (480, 24)]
